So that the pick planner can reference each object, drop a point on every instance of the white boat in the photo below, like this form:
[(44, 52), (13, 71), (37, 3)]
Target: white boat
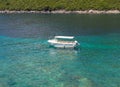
[(63, 42)]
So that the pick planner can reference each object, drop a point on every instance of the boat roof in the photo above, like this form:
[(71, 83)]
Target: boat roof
[(65, 37)]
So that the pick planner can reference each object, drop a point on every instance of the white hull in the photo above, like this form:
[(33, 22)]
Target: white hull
[(63, 43)]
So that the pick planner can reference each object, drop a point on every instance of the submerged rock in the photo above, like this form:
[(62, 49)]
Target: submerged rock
[(84, 82), (3, 82), (69, 80)]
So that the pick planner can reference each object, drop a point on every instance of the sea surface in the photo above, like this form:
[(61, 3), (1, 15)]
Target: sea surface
[(26, 60)]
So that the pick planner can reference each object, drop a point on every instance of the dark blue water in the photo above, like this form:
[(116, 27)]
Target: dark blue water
[(27, 61)]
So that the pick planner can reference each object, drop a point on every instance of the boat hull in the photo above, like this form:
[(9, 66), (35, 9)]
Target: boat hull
[(63, 45)]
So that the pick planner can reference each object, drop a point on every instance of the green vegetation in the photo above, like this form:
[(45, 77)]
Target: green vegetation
[(48, 5)]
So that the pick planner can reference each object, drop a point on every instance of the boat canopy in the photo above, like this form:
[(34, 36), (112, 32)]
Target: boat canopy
[(64, 37)]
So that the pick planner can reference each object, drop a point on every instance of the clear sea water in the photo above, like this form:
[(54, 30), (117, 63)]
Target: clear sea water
[(27, 61)]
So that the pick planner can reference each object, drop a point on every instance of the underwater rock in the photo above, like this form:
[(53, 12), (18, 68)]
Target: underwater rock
[(85, 82), (3, 82), (4, 85), (70, 80)]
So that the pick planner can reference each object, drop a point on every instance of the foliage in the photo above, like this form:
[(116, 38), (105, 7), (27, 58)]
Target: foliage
[(48, 5)]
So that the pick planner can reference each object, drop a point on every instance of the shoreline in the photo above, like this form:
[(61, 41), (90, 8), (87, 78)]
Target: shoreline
[(65, 12)]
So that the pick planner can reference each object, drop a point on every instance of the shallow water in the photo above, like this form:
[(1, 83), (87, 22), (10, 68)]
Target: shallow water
[(27, 61)]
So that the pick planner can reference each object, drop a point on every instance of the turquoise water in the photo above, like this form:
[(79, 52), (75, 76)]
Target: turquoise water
[(27, 61)]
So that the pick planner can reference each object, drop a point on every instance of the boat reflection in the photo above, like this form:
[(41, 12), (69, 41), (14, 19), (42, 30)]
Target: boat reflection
[(64, 53)]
